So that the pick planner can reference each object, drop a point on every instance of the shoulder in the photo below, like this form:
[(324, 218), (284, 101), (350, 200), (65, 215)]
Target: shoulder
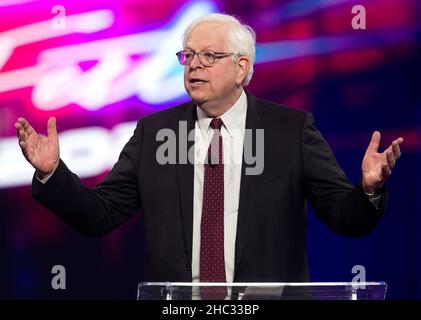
[(278, 112), (162, 118)]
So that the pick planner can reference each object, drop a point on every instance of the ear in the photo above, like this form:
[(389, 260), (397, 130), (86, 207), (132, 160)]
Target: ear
[(243, 64)]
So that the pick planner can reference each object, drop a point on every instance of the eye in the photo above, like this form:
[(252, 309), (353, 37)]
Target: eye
[(188, 55), (208, 55)]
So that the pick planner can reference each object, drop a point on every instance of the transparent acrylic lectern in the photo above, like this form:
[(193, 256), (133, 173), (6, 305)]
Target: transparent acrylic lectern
[(266, 290)]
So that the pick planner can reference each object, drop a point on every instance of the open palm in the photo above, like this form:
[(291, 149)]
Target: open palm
[(41, 152), (377, 167)]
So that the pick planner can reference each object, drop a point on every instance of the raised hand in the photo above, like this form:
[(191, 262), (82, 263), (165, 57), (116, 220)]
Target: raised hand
[(42, 152), (377, 167)]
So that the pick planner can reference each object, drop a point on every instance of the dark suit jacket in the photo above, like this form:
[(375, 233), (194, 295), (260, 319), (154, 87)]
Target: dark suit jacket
[(271, 228)]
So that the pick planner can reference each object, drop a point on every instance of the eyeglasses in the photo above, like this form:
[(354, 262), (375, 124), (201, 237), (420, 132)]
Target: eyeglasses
[(206, 57)]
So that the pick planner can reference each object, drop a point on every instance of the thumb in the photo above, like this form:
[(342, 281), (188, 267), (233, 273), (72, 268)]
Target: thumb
[(52, 127), (375, 142)]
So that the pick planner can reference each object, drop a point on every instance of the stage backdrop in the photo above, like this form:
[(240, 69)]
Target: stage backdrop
[(100, 65)]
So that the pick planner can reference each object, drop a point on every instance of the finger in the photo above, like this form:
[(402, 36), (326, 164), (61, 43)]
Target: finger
[(374, 143), (396, 150), (52, 127), (18, 127), (390, 159), (386, 170), (22, 144), (26, 126), (20, 132)]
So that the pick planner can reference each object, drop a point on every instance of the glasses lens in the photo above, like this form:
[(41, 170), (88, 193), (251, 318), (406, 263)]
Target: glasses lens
[(181, 57), (208, 56), (205, 57), (184, 58)]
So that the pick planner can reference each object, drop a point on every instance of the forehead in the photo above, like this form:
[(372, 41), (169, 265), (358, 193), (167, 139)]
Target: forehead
[(208, 36)]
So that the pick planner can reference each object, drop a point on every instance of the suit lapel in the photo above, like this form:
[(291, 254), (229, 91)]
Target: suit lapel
[(185, 176), (254, 120)]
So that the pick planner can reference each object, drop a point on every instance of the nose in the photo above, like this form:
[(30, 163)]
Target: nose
[(195, 63)]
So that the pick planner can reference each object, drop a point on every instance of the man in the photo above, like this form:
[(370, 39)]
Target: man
[(211, 221)]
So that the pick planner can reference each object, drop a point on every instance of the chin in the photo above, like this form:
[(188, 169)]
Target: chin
[(198, 97)]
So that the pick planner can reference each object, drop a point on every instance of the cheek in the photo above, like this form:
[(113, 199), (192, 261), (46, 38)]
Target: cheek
[(224, 81), (185, 77)]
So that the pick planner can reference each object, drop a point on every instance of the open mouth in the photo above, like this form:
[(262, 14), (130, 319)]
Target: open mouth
[(197, 81)]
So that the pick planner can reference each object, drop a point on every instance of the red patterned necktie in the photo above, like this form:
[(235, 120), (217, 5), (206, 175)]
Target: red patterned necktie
[(212, 261)]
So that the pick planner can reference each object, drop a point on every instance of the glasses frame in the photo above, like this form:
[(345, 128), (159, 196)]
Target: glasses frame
[(218, 55)]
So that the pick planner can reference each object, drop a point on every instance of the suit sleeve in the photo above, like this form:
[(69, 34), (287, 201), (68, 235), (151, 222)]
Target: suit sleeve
[(341, 206), (97, 211)]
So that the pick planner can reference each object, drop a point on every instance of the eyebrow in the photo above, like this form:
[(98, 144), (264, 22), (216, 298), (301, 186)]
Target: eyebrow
[(207, 48)]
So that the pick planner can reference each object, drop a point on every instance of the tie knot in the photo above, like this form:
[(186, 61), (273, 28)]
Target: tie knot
[(216, 123)]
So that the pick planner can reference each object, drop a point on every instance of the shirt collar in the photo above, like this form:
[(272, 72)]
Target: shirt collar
[(231, 118)]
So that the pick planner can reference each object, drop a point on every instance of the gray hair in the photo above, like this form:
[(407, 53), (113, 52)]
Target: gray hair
[(241, 37)]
